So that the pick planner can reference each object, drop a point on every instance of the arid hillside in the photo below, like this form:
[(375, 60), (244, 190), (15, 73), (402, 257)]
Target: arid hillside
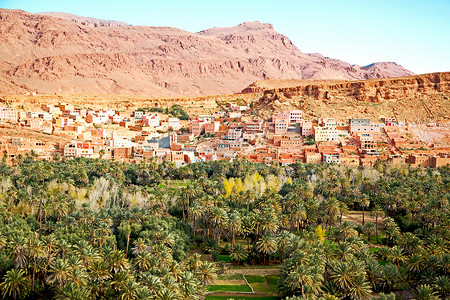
[(418, 98), (68, 54)]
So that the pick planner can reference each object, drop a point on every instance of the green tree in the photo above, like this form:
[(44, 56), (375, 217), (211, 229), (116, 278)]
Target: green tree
[(15, 283)]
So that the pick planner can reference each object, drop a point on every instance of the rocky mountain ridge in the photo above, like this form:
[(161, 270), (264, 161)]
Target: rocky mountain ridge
[(54, 55)]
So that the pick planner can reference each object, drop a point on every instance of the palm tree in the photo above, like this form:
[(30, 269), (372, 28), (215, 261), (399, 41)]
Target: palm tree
[(238, 254), (267, 245), (442, 284), (15, 283), (129, 289), (19, 251), (376, 213), (206, 273), (79, 277), (118, 261), (195, 211), (189, 286), (369, 228), (397, 256), (99, 272), (347, 230), (331, 208), (139, 246), (343, 209), (73, 292), (36, 252), (425, 292), (234, 226), (364, 202), (299, 278), (59, 272), (416, 263), (360, 288)]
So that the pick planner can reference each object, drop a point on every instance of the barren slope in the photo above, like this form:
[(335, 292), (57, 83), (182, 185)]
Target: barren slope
[(48, 55), (418, 98)]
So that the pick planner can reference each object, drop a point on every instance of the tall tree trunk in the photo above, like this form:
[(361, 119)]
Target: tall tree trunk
[(193, 228), (128, 242), (363, 217), (376, 227)]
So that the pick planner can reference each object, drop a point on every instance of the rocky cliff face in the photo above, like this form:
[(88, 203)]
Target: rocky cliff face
[(47, 54), (413, 98), (374, 91)]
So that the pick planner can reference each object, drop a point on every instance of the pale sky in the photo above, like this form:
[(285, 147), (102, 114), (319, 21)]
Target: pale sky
[(414, 34)]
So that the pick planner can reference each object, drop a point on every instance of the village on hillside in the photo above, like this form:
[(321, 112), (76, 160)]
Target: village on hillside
[(232, 133)]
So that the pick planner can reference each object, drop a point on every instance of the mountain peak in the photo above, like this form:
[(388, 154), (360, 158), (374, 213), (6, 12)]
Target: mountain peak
[(87, 21), (47, 54), (245, 27)]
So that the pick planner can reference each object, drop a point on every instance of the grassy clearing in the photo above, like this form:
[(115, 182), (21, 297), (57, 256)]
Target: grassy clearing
[(229, 288), (255, 278), (230, 282), (261, 288), (272, 281), (231, 277), (226, 258), (239, 298)]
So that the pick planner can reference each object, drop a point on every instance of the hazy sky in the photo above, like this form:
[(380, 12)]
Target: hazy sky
[(415, 34)]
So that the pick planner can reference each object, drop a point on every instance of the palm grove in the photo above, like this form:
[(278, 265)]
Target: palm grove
[(86, 228)]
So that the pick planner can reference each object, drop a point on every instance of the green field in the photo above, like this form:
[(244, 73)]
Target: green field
[(229, 288), (255, 278), (226, 258), (231, 277)]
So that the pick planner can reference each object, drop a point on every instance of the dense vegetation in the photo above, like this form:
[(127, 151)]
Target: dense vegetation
[(176, 111), (84, 228)]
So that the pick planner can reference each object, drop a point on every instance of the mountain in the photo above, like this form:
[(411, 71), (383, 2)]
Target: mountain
[(55, 54), (91, 22)]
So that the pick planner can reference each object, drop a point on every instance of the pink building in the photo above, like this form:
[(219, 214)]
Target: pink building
[(254, 125), (234, 134), (211, 128), (307, 128), (197, 127), (295, 116)]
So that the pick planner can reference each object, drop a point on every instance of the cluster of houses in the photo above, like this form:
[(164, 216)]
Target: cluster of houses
[(228, 134)]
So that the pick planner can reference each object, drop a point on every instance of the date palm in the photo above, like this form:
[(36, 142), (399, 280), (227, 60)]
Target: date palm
[(129, 289), (99, 272), (79, 277), (442, 284), (425, 292), (299, 278), (73, 292), (238, 254), (267, 244), (364, 203), (195, 211), (397, 256), (59, 272), (206, 273), (19, 251), (118, 261), (377, 212), (189, 286), (143, 261), (14, 283), (369, 228), (347, 230), (234, 226)]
